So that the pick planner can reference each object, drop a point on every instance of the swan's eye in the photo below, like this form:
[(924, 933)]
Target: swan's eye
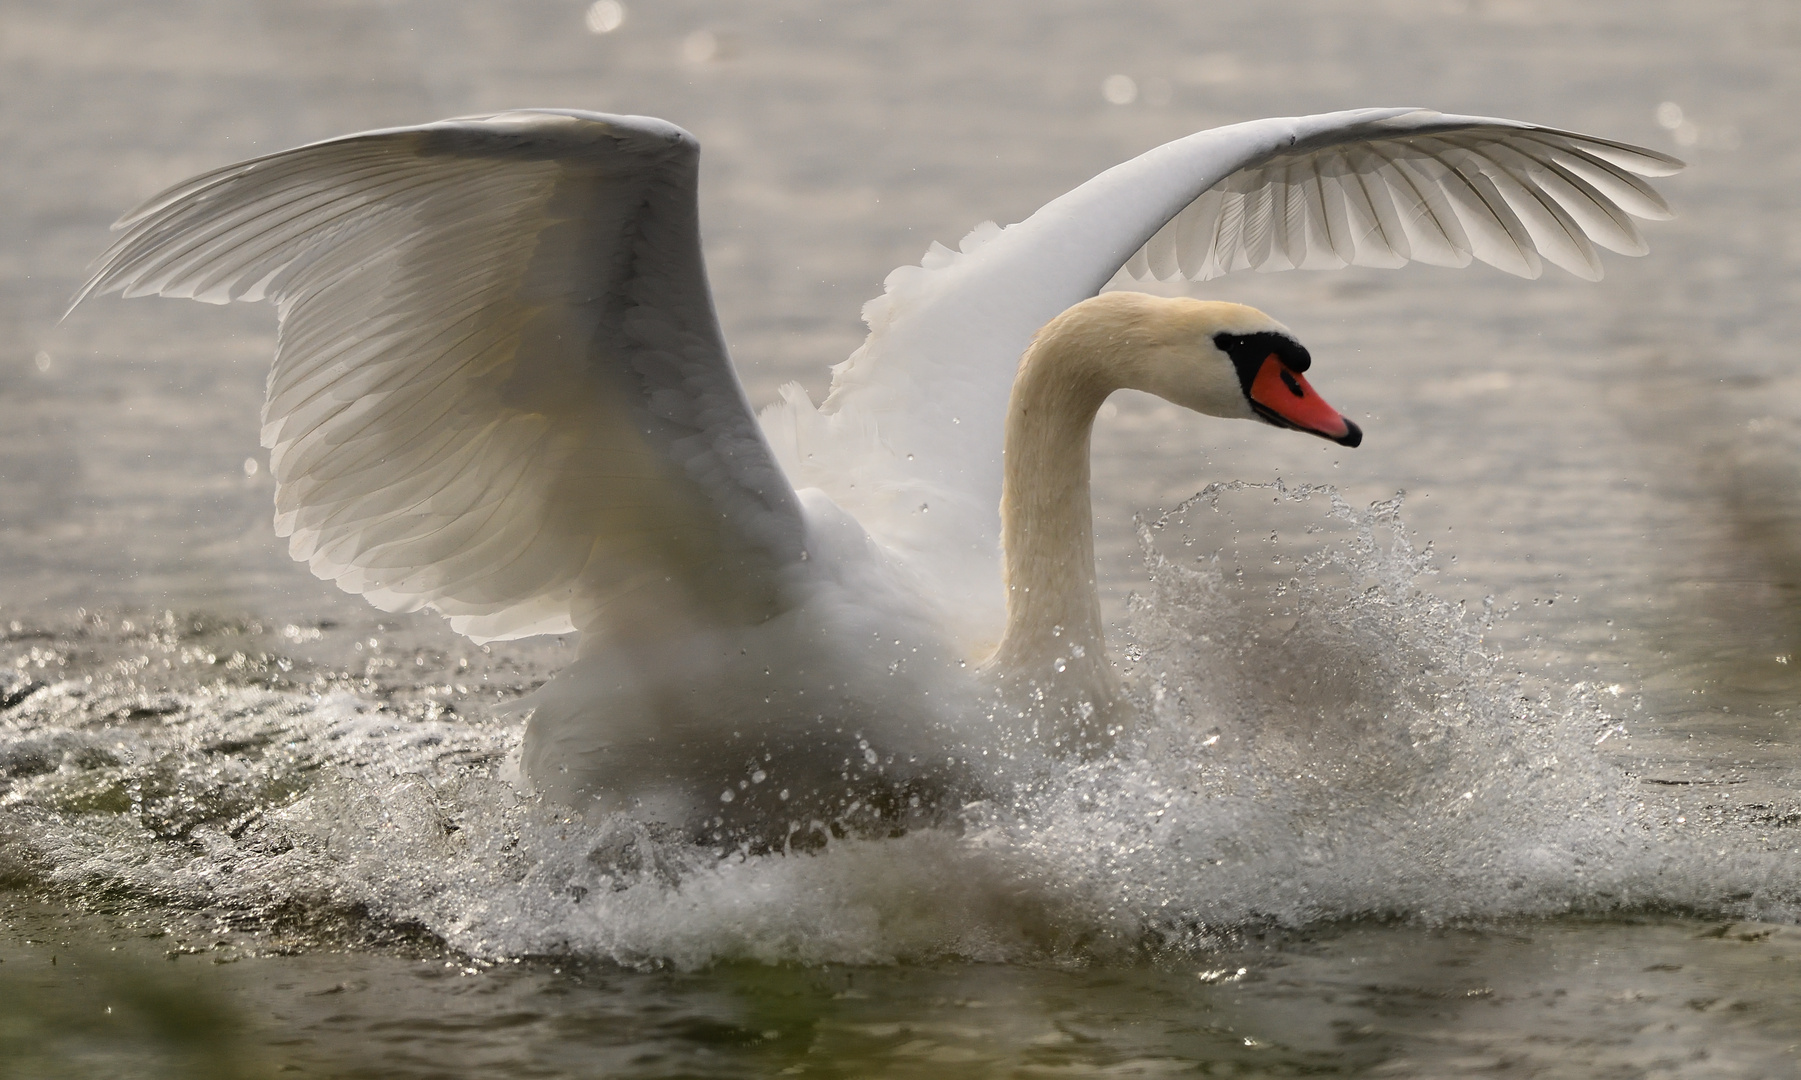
[(1249, 351)]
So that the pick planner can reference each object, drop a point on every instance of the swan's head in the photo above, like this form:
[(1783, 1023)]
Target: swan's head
[(1216, 358)]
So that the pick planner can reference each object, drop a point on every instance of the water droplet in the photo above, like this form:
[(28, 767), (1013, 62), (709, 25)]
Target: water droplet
[(42, 360), (1060, 664), (1119, 89), (250, 466), (727, 795), (605, 16)]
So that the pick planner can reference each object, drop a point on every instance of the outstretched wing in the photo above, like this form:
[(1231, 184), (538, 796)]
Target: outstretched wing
[(914, 419), (501, 391), (1438, 189)]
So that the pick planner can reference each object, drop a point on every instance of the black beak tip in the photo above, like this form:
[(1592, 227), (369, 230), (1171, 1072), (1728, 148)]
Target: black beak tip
[(1353, 435)]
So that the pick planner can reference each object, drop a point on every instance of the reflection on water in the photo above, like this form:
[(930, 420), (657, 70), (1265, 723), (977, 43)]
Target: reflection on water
[(1576, 999), (76, 1006)]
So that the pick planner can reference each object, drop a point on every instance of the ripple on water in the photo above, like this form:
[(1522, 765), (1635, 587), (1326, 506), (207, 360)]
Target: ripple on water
[(1322, 738)]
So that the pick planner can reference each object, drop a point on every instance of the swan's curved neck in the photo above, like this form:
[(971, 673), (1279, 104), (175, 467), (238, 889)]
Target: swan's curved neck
[(1053, 647), (1054, 639)]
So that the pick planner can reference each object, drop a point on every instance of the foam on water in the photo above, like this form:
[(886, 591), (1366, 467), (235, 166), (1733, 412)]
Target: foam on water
[(1322, 738)]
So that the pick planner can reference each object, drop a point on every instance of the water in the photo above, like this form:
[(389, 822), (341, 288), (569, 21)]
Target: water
[(1498, 778)]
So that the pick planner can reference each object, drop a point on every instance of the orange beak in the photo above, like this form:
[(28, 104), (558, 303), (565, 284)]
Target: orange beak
[(1282, 397)]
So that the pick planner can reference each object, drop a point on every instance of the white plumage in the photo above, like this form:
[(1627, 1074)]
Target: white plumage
[(500, 390), (1440, 193), (501, 393)]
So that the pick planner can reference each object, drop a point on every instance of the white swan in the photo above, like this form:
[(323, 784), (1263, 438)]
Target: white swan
[(501, 393)]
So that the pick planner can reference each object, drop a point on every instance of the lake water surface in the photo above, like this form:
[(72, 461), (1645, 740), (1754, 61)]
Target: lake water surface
[(1498, 777)]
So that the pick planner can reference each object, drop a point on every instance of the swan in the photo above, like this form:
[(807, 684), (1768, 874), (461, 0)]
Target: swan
[(501, 393)]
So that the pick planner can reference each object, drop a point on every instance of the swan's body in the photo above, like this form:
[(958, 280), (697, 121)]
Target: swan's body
[(502, 393)]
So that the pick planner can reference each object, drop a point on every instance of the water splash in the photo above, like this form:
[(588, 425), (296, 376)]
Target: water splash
[(1322, 737)]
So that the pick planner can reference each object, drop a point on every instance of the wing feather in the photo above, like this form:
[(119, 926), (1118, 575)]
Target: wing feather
[(500, 390), (1630, 193), (1456, 189), (1296, 200), (1321, 250), (1550, 228), (1389, 237), (1440, 238), (1338, 215), (1593, 214), (1497, 235), (1259, 220)]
